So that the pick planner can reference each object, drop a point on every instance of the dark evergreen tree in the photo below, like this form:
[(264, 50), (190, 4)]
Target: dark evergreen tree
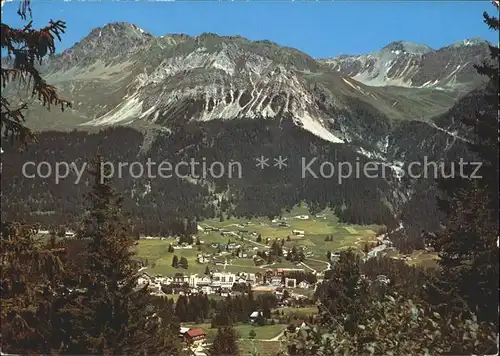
[(183, 262), (175, 261), (107, 313), (343, 294), (28, 46), (468, 247), (30, 292), (225, 342)]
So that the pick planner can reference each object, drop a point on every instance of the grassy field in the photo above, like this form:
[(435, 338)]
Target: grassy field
[(307, 292), (424, 259), (264, 348), (316, 229), (305, 312), (265, 332), (160, 260)]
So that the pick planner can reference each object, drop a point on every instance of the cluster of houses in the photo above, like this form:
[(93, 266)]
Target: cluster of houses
[(221, 282)]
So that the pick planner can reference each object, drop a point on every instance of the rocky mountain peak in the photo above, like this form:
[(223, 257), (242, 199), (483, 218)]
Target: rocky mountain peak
[(470, 42), (408, 64), (407, 47), (114, 40)]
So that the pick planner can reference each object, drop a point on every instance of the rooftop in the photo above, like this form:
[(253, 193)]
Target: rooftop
[(196, 332)]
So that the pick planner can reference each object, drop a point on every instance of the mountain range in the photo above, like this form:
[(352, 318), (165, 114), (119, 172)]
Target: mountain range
[(223, 96)]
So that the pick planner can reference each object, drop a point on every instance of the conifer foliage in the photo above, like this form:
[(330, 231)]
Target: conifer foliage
[(224, 343), (468, 247), (115, 316), (30, 281), (26, 47)]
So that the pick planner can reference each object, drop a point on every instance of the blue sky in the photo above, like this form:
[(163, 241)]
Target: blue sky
[(321, 29)]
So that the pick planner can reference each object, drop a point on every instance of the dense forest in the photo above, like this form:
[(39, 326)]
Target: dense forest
[(157, 205), (81, 296)]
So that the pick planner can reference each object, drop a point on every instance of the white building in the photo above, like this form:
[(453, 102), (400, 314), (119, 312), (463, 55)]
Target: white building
[(298, 232), (276, 281), (202, 259), (207, 290), (69, 234), (143, 279), (304, 285), (223, 279), (193, 280), (203, 281)]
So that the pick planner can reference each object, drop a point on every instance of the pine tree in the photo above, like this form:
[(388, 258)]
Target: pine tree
[(31, 277), (31, 270), (468, 246), (252, 334), (175, 261), (183, 262), (110, 315), (343, 294), (207, 271), (225, 342), (28, 47)]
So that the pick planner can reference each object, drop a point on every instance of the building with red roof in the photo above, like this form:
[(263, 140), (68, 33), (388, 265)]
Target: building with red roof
[(195, 334)]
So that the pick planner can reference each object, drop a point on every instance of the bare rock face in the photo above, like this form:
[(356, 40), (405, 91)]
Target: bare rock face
[(413, 65), (120, 74), (393, 106)]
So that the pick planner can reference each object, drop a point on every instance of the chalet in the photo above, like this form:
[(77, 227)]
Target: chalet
[(202, 259), (223, 279), (180, 278), (304, 285), (334, 256), (69, 234), (253, 317), (219, 261), (298, 324), (276, 281), (195, 335), (143, 279)]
